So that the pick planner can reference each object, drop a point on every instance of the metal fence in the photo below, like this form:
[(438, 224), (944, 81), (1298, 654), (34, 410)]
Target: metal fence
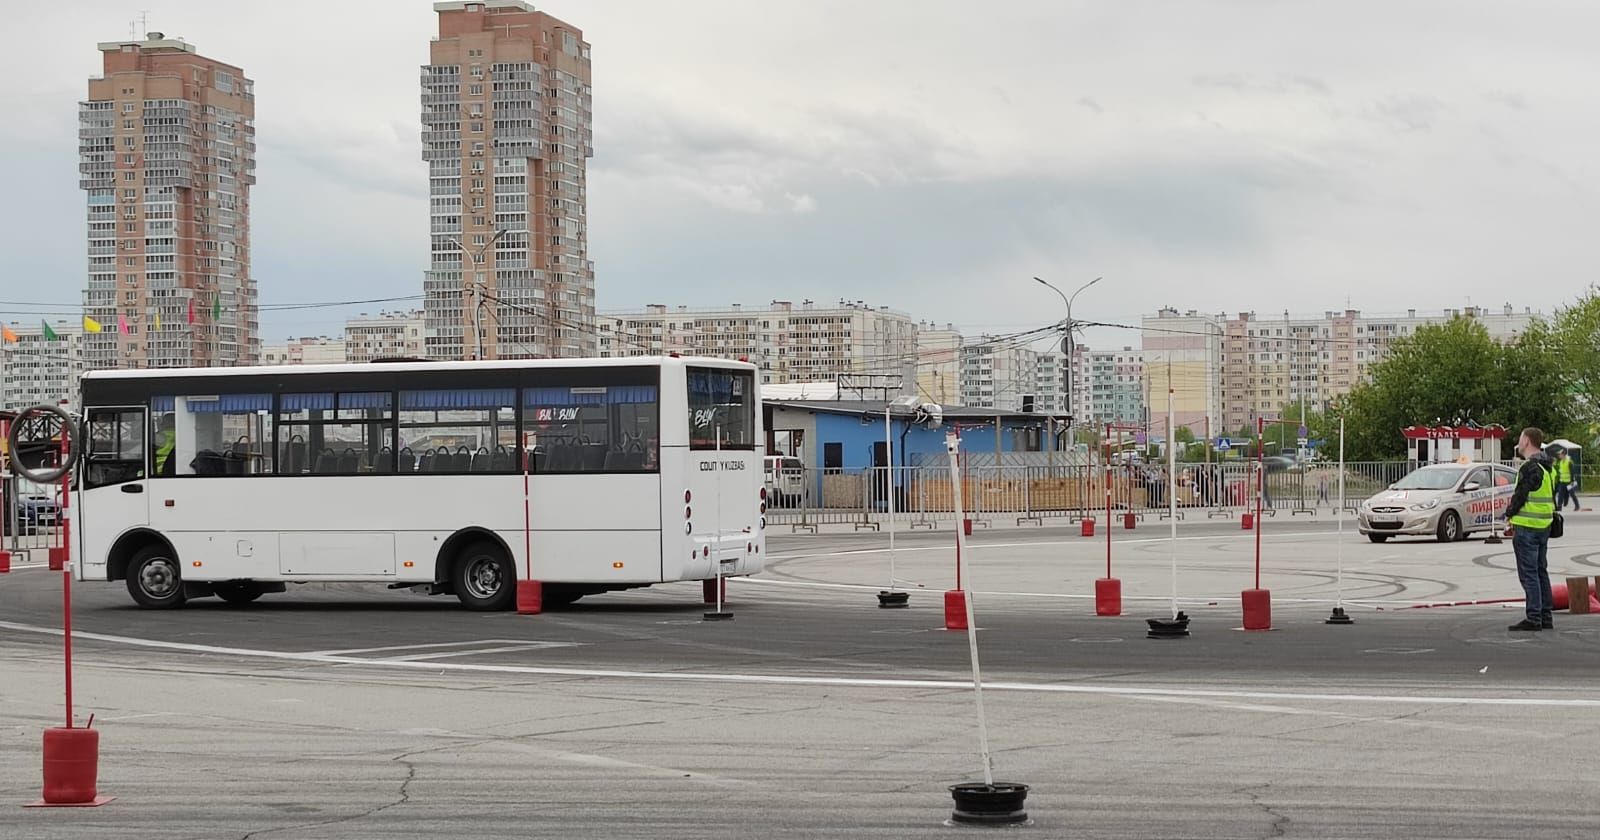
[(1032, 494), (32, 515)]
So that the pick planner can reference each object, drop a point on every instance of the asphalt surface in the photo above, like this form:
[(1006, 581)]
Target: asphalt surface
[(345, 711)]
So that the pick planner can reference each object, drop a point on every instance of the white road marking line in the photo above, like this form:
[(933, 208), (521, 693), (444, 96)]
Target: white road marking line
[(348, 651), (825, 681), (523, 646)]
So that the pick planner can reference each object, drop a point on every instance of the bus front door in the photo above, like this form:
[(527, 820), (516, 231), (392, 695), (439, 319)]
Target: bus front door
[(114, 498)]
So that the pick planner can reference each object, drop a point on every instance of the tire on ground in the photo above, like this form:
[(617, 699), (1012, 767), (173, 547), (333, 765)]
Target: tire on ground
[(154, 579), (484, 577)]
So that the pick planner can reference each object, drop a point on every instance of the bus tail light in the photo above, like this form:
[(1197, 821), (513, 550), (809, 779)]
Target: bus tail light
[(687, 497), (763, 494), (688, 512), (688, 527)]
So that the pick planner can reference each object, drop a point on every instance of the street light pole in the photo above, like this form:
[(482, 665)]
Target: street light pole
[(1070, 345), (477, 261)]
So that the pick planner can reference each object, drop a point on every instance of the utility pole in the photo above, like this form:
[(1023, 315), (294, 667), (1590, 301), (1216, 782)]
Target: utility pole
[(477, 261), (1068, 326)]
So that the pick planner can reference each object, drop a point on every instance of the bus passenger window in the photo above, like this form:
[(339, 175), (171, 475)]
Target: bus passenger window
[(722, 409), (458, 431), (335, 434), (611, 429), (210, 435)]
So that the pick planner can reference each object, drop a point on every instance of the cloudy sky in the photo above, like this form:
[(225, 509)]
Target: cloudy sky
[(928, 155)]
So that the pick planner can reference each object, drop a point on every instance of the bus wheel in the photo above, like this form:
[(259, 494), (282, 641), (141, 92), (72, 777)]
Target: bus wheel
[(237, 592), (484, 578), (153, 579)]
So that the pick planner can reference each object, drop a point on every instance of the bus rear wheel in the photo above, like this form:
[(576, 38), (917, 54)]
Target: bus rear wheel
[(238, 592), (483, 578), (154, 580)]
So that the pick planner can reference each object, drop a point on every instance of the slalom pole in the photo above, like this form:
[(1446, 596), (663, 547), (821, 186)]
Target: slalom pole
[(1339, 616)]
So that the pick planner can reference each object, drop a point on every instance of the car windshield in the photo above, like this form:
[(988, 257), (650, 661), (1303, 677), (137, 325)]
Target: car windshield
[(1432, 478)]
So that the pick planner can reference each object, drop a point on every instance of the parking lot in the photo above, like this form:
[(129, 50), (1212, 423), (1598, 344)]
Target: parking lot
[(346, 711)]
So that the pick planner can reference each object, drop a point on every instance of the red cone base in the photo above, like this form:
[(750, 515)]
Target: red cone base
[(1108, 596), (530, 597), (1561, 599), (5, 562), (1128, 521), (1257, 609), (1087, 527), (966, 527), (708, 590), (955, 610), (1247, 521), (71, 765), (58, 558)]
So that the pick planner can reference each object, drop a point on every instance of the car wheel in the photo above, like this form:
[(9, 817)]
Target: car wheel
[(1378, 538), (484, 578), (237, 593), (1449, 527), (154, 580)]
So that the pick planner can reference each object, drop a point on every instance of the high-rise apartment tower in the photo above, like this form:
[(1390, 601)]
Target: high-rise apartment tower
[(506, 133)]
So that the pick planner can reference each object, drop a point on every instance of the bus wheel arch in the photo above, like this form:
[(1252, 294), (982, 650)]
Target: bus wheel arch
[(130, 544), (456, 550)]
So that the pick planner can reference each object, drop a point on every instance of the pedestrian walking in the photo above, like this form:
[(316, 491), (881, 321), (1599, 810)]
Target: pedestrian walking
[(1531, 511), (1566, 486)]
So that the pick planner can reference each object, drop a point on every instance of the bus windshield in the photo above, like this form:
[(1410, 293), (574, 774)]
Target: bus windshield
[(722, 405)]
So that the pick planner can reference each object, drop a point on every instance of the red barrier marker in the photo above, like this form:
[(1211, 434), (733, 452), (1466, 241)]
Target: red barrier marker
[(71, 766), (708, 590), (530, 597), (1247, 521), (1128, 520), (955, 610), (1257, 609), (1086, 527), (1107, 596)]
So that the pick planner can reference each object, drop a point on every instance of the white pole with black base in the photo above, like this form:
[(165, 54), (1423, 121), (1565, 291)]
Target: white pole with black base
[(987, 802)]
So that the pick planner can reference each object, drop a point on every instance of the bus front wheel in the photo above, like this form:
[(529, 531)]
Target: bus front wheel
[(484, 578), (154, 580)]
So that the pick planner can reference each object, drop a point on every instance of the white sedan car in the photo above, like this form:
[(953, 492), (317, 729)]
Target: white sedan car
[(1445, 501)]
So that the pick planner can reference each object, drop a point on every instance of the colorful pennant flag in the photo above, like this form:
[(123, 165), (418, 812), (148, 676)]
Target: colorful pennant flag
[(7, 334), (50, 334), (216, 308), (158, 321), (191, 310), (89, 325), (122, 325)]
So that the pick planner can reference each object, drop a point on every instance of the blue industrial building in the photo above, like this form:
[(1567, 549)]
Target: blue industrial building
[(847, 435)]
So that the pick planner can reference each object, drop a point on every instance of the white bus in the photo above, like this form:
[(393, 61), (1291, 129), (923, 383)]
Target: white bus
[(236, 481)]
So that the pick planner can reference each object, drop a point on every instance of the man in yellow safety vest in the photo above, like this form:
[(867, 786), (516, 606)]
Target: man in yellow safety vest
[(1531, 511), (1565, 487), (166, 440)]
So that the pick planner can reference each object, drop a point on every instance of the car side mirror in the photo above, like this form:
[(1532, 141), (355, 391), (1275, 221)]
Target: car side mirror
[(1471, 486)]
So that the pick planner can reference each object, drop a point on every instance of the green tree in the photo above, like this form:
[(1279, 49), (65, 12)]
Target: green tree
[(1576, 334), (1451, 373)]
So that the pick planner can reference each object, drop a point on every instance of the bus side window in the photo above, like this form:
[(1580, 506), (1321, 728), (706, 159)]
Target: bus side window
[(116, 451)]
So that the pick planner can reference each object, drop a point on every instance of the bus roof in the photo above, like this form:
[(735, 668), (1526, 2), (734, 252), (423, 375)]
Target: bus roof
[(409, 367)]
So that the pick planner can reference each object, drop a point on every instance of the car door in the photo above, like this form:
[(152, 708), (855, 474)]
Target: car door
[(1475, 500)]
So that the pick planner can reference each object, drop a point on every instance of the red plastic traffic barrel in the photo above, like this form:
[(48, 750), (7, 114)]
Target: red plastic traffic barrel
[(71, 765)]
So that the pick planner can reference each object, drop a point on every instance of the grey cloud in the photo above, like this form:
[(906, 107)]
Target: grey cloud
[(1411, 113), (1510, 99), (1279, 85), (1089, 103)]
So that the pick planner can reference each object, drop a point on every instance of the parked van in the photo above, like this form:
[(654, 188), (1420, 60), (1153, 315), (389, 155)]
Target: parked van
[(785, 481)]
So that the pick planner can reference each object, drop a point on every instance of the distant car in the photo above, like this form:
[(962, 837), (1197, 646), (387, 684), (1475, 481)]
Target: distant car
[(1446, 501), (785, 480), (35, 511)]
